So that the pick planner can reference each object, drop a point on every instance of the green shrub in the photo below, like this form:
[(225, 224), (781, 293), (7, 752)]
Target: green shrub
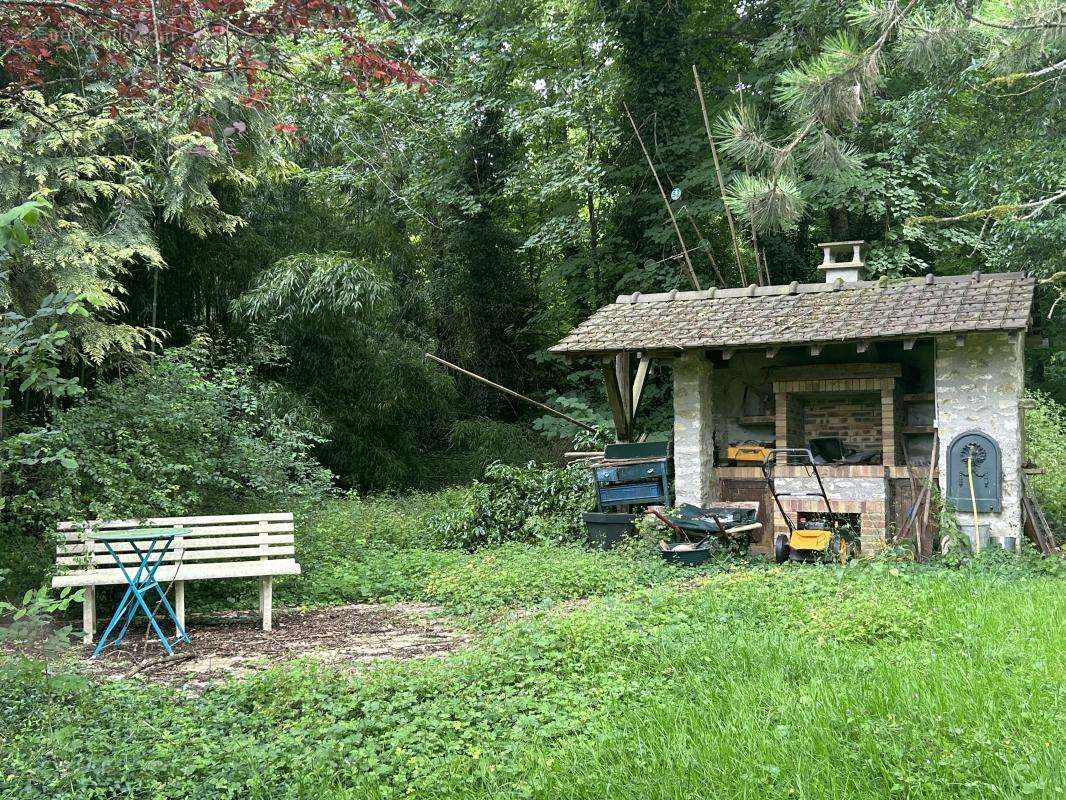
[(531, 504), (1045, 428), (188, 433)]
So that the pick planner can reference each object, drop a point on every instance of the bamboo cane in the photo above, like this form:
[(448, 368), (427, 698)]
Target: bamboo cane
[(655, 173), (512, 393), (718, 173)]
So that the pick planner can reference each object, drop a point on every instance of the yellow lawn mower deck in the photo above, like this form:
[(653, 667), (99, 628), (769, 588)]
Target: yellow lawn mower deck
[(805, 541)]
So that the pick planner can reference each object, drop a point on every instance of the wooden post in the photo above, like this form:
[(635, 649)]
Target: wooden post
[(621, 368), (638, 384), (88, 614), (511, 392), (614, 399), (924, 540), (179, 604), (266, 602), (266, 584), (718, 174), (669, 210)]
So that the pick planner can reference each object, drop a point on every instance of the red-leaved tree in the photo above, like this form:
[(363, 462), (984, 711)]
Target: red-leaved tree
[(154, 46)]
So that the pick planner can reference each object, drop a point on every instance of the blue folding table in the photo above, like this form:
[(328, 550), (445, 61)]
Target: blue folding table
[(151, 546)]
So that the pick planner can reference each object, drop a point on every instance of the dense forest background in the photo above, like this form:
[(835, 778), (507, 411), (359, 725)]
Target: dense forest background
[(235, 230)]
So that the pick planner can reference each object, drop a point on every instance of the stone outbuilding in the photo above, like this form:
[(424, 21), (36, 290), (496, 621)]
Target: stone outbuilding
[(890, 369)]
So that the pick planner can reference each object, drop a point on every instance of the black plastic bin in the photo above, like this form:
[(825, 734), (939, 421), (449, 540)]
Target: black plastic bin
[(604, 530)]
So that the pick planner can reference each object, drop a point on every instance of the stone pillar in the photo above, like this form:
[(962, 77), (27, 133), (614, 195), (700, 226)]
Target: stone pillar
[(694, 475), (979, 387)]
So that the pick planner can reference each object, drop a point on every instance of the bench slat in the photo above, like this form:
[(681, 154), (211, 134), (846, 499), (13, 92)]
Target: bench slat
[(187, 542), (163, 522), (205, 530), (184, 572), (188, 555)]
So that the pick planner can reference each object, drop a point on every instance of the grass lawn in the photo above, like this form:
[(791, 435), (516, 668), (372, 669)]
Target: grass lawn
[(751, 681)]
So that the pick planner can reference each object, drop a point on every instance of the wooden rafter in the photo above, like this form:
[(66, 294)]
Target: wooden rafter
[(624, 396), (614, 399)]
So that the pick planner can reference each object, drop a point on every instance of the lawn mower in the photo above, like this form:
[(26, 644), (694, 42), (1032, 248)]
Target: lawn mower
[(812, 538)]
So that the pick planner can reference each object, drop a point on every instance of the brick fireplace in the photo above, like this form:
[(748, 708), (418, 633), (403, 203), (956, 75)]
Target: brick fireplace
[(855, 402)]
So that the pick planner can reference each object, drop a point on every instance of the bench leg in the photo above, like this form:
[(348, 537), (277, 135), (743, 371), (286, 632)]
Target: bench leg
[(88, 614), (266, 601), (179, 606)]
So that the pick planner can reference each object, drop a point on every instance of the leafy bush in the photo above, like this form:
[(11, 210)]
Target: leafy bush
[(1045, 428), (482, 583), (187, 433), (531, 504)]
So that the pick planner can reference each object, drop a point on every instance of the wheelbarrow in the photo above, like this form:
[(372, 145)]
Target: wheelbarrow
[(695, 528)]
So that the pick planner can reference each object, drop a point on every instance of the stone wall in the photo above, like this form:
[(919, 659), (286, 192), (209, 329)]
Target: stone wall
[(694, 477), (978, 387)]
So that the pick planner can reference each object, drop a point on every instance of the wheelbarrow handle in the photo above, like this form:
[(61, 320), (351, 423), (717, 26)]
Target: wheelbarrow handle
[(671, 525)]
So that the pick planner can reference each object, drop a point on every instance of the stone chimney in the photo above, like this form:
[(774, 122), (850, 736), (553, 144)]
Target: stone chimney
[(843, 260)]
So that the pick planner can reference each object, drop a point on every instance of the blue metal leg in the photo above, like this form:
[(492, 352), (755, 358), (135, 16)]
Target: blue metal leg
[(182, 637), (120, 612), (141, 583)]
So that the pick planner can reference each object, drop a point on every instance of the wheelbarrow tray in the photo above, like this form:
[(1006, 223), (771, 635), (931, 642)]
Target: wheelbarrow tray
[(685, 552), (702, 521)]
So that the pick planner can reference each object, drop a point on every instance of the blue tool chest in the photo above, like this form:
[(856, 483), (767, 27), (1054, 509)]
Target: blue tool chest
[(633, 475)]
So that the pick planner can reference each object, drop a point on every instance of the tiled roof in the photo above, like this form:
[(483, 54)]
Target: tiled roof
[(818, 313)]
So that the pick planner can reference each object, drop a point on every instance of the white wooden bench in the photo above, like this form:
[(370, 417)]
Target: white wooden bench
[(235, 546)]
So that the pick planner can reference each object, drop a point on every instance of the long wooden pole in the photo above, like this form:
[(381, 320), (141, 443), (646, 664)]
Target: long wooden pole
[(512, 393), (923, 531), (681, 239), (718, 172)]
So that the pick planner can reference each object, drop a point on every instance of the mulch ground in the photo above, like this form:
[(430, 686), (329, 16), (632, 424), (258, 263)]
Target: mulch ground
[(233, 644)]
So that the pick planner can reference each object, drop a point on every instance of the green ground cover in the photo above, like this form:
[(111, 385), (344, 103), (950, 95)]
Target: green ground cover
[(389, 548), (751, 681)]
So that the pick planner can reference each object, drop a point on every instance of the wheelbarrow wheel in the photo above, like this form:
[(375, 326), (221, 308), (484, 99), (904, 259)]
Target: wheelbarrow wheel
[(781, 548)]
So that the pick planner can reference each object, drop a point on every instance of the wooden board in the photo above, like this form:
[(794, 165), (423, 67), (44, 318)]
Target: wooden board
[(184, 572), (180, 542), (170, 522), (106, 561)]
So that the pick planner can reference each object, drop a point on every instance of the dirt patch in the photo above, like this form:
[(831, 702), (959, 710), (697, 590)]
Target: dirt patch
[(233, 644)]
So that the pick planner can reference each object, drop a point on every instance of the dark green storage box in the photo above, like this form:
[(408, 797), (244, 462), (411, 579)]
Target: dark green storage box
[(604, 531)]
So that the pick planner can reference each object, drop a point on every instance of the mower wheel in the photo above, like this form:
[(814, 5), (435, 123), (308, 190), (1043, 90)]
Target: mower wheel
[(781, 548)]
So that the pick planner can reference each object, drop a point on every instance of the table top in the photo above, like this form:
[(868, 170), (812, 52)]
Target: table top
[(139, 534)]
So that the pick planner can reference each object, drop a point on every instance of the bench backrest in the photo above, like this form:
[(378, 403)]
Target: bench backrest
[(220, 539)]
